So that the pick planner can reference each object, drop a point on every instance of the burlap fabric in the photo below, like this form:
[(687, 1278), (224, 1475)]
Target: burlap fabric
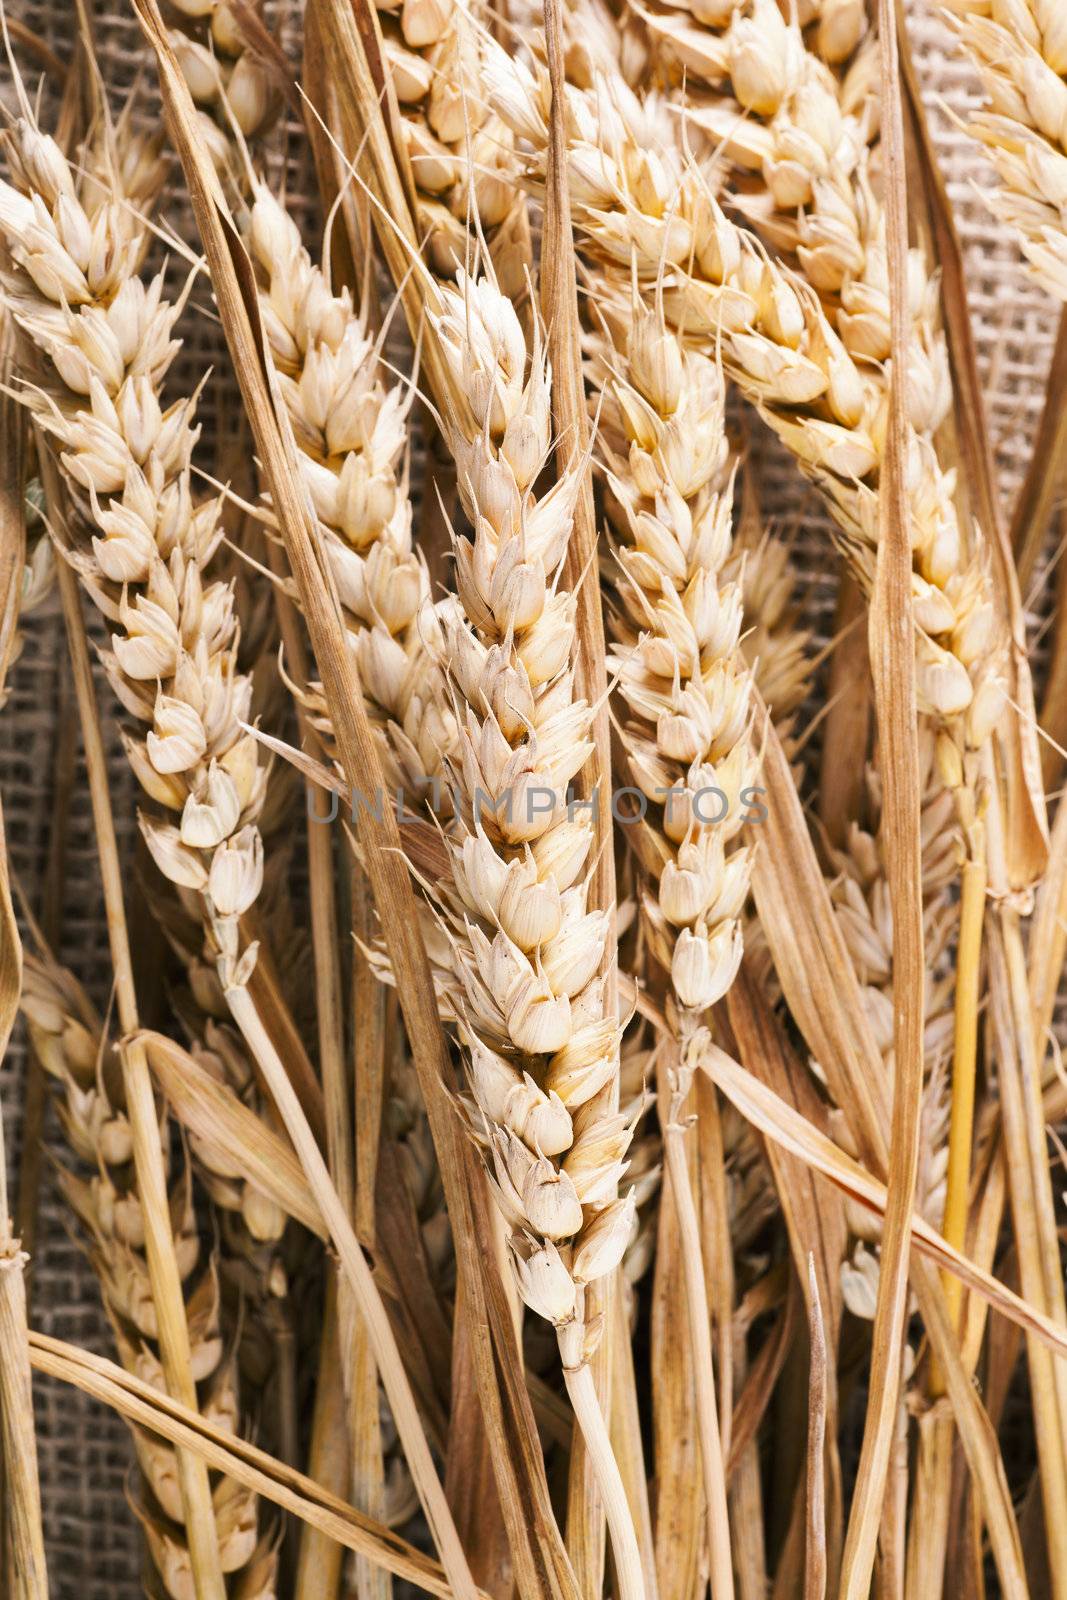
[(85, 1457)]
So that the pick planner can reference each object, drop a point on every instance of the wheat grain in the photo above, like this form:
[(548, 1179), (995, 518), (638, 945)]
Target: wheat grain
[(70, 1044), (1020, 50)]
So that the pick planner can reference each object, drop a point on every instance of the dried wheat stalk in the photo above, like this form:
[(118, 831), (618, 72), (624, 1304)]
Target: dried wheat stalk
[(1020, 50), (22, 1547)]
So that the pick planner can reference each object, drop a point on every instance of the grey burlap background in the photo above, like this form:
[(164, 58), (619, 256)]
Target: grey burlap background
[(93, 1543)]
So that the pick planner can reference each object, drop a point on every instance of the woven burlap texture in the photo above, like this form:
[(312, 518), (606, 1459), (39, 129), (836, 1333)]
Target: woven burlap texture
[(85, 1456)]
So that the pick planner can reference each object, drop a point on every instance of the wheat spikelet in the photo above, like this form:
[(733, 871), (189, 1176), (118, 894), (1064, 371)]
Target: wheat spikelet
[(226, 77), (1020, 50), (646, 204), (351, 432), (458, 149), (102, 341), (69, 1042)]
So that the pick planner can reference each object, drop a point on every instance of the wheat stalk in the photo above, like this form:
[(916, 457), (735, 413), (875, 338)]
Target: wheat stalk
[(102, 341), (1020, 50), (69, 1041), (644, 203), (22, 1551)]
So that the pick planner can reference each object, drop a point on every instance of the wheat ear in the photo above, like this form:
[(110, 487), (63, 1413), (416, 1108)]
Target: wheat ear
[(775, 643), (681, 675), (351, 434), (687, 690), (1020, 50), (524, 951), (860, 894), (102, 341), (645, 204), (69, 1041)]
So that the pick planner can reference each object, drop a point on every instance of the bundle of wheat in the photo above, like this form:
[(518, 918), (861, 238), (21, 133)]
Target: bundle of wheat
[(684, 1048)]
